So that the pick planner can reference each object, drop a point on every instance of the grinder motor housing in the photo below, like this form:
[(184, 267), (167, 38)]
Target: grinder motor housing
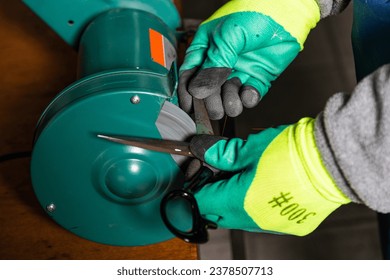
[(127, 80)]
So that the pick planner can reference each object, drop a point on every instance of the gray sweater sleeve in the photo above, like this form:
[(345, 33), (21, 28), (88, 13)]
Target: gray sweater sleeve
[(332, 7), (353, 137)]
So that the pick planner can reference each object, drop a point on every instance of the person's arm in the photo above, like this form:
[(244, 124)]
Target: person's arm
[(353, 137), (243, 47), (238, 51), (288, 179)]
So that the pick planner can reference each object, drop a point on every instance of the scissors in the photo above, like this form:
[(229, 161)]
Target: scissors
[(198, 232)]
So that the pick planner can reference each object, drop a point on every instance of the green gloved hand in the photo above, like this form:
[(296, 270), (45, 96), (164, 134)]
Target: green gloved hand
[(240, 50), (281, 184)]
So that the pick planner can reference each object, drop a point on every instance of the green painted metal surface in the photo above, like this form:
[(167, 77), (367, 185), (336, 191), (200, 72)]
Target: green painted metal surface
[(102, 191), (120, 39), (69, 17), (99, 190)]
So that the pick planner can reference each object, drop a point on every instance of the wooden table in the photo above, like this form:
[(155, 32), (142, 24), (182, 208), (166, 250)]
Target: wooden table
[(35, 65)]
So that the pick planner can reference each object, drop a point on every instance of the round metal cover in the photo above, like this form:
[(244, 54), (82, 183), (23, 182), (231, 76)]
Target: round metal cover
[(104, 191)]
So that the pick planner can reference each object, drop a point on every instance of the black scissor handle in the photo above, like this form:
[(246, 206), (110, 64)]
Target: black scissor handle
[(198, 232)]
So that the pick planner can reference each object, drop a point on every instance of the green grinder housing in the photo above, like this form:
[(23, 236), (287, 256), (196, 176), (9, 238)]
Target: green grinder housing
[(127, 79)]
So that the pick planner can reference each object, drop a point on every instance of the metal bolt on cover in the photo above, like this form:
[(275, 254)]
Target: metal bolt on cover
[(51, 207), (135, 99)]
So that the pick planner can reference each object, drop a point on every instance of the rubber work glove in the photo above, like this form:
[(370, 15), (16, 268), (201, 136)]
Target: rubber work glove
[(281, 184), (240, 50)]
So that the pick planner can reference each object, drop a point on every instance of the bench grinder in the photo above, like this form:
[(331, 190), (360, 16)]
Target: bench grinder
[(127, 79)]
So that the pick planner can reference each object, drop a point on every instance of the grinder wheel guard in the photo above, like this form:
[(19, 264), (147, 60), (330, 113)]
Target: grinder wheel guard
[(103, 191)]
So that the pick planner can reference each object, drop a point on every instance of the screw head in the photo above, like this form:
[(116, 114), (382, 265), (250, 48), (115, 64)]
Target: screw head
[(51, 207), (135, 99)]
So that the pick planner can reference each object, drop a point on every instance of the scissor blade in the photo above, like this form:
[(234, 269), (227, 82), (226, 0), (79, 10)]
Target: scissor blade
[(159, 145)]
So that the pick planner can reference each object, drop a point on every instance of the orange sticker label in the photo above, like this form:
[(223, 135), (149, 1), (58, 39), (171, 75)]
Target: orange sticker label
[(161, 50), (157, 47)]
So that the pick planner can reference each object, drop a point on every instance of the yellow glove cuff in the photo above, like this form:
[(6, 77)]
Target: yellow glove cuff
[(297, 17), (292, 192)]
